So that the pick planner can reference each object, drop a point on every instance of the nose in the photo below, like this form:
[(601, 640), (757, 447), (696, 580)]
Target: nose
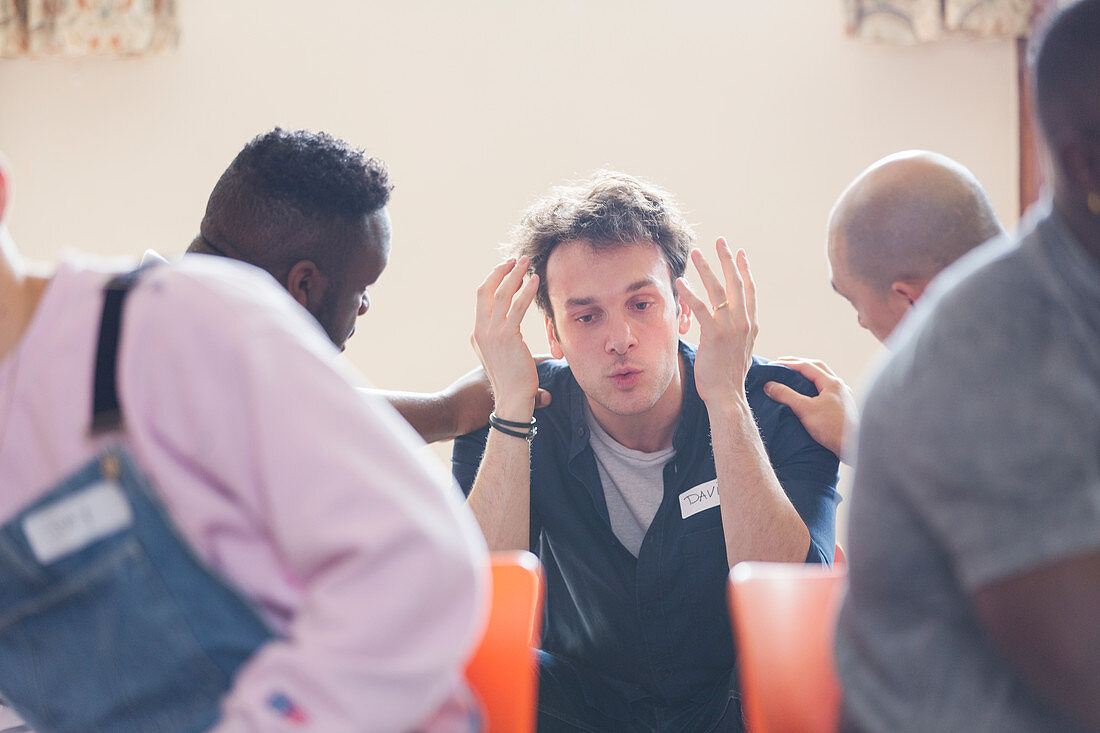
[(620, 337), (364, 304)]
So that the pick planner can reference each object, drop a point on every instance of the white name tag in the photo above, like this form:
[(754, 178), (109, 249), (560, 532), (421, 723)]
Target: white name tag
[(77, 521), (695, 500)]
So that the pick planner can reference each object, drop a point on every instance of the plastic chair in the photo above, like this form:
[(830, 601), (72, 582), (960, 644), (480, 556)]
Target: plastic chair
[(503, 670), (784, 622)]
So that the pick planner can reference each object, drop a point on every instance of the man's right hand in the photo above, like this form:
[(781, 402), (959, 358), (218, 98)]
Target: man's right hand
[(827, 416), (502, 300)]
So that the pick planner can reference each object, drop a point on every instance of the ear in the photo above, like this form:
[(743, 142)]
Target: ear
[(1080, 161), (684, 317), (910, 290), (552, 338), (306, 284)]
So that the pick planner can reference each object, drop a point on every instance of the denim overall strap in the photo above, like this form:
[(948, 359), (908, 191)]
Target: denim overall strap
[(108, 622), (106, 413)]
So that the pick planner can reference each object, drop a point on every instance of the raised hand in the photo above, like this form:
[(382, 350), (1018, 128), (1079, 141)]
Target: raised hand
[(502, 300), (727, 324)]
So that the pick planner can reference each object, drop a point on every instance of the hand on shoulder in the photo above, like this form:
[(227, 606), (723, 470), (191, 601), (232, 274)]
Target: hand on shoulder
[(826, 417)]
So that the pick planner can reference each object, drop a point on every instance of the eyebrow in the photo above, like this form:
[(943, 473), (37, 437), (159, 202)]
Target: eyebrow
[(638, 285)]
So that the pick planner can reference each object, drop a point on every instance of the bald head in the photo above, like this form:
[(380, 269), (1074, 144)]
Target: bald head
[(897, 225), (910, 215)]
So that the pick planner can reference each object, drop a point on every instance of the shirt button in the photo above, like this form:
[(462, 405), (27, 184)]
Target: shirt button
[(650, 614), (665, 674)]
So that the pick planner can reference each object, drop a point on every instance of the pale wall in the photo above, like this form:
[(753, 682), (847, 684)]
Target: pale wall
[(756, 114)]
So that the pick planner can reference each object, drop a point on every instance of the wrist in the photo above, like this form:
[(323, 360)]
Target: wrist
[(728, 399), (515, 410), (515, 428), (732, 407)]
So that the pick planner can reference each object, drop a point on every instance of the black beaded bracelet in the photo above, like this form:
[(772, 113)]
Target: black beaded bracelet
[(493, 417), (506, 427)]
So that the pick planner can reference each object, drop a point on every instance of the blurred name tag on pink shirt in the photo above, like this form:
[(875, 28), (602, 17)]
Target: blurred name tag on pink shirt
[(77, 521)]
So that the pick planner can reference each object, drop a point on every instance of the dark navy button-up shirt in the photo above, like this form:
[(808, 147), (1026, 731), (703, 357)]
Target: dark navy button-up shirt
[(650, 632)]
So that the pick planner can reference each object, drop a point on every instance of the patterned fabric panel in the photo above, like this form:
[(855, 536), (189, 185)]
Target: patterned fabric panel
[(87, 27), (903, 22), (13, 36), (894, 22), (989, 18)]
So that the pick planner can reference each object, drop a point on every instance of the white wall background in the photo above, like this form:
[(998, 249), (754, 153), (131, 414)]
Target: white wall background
[(755, 113)]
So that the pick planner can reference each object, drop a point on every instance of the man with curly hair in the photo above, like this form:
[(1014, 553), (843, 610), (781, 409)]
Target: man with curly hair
[(657, 467), (310, 209)]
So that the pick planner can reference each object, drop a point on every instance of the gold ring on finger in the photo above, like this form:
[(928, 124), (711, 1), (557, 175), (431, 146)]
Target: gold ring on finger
[(719, 307)]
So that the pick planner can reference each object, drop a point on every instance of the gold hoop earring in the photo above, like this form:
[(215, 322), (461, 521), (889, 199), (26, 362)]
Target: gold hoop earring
[(1094, 203)]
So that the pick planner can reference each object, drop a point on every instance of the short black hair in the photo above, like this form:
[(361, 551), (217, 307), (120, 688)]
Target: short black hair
[(290, 195), (1066, 68)]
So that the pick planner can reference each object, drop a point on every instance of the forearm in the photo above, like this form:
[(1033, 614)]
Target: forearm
[(428, 413), (1045, 621), (501, 495), (758, 520)]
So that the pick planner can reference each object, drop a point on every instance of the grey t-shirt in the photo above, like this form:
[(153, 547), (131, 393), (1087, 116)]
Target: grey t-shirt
[(633, 484), (978, 459)]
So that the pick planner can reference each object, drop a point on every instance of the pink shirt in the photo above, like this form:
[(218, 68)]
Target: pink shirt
[(316, 500)]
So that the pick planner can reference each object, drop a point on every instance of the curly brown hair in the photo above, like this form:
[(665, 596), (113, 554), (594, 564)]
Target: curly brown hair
[(606, 210)]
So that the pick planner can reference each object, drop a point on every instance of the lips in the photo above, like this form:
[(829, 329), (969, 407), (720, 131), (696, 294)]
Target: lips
[(625, 378)]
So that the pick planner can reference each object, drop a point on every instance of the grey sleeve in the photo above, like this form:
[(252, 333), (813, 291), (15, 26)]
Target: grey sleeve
[(1002, 462)]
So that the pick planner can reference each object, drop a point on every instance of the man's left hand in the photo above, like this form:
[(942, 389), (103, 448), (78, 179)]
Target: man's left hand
[(727, 325)]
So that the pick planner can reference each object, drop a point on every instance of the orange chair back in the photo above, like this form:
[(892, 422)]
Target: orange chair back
[(784, 622), (839, 558), (504, 671)]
